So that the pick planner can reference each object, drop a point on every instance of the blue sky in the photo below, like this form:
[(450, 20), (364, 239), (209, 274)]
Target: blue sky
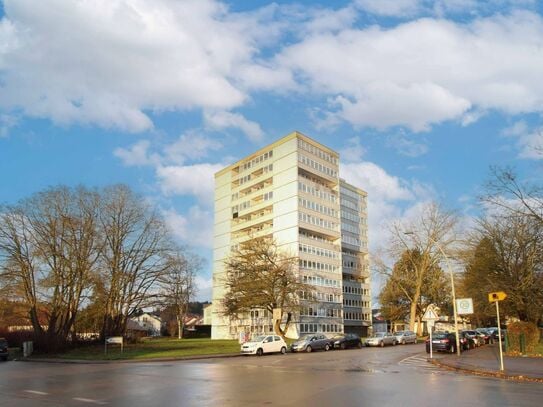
[(419, 97)]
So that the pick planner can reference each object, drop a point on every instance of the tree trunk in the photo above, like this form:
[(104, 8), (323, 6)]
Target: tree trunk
[(179, 328), (277, 326)]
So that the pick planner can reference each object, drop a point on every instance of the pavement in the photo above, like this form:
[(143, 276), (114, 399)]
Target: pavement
[(485, 361)]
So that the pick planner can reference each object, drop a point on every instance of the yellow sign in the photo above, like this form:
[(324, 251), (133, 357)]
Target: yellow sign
[(497, 296)]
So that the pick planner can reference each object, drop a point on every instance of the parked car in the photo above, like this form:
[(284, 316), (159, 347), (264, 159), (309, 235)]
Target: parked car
[(3, 349), (311, 342), (347, 341), (442, 342), (494, 333), (475, 338), (264, 344), (381, 339), (486, 334), (403, 337)]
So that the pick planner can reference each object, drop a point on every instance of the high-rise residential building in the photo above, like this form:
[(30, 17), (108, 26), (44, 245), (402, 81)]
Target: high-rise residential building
[(291, 190)]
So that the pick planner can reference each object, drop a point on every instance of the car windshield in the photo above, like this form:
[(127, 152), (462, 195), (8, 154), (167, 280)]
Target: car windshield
[(379, 334), (258, 338), (339, 337), (440, 336), (306, 337)]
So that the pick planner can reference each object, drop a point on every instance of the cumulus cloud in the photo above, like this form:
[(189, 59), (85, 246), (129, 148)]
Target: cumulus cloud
[(196, 180), (407, 146), (219, 120), (389, 197), (136, 155), (194, 228), (109, 62), (353, 150), (423, 72), (390, 7), (529, 141), (192, 146)]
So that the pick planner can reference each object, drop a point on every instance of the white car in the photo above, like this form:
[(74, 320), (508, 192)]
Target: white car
[(264, 344)]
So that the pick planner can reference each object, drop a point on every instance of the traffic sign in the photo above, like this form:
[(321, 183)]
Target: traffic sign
[(464, 306), (497, 296), (430, 314)]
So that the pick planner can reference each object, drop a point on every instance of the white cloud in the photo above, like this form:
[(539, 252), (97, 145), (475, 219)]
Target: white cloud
[(219, 120), (406, 146), (7, 122), (379, 185), (529, 141), (197, 180), (389, 197), (195, 228), (192, 146), (390, 7), (137, 154), (353, 150), (425, 71), (108, 62)]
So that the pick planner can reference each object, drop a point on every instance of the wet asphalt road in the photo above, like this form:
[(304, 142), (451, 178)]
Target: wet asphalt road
[(393, 376)]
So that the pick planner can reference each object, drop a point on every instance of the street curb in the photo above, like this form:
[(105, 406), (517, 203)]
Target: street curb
[(486, 373), (103, 362)]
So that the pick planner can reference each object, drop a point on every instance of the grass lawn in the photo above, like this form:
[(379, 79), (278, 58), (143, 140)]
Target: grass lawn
[(153, 348)]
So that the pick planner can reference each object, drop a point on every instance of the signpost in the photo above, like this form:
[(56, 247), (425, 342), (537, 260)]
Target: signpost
[(114, 340), (464, 306), (430, 316), (497, 297)]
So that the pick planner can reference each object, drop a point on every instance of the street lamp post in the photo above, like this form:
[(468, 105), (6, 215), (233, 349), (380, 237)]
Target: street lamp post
[(452, 291)]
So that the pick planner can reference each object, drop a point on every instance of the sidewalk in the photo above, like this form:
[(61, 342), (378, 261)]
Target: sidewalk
[(486, 361)]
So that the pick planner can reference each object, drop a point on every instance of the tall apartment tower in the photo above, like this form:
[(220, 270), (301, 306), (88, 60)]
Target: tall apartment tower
[(291, 190)]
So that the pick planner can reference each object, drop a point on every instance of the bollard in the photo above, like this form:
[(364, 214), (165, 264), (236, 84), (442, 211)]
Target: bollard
[(522, 343)]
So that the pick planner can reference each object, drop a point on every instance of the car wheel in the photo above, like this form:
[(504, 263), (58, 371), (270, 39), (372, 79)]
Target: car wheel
[(452, 349), (4, 358), (326, 347), (394, 343), (402, 342), (359, 345), (283, 350), (415, 341), (343, 346), (382, 344), (308, 349), (259, 352)]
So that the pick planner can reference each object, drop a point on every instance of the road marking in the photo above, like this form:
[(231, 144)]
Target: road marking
[(91, 401), (420, 361), (40, 393)]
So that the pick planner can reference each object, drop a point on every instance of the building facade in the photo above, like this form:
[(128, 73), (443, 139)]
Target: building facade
[(291, 190)]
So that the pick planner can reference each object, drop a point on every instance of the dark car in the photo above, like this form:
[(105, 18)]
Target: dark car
[(474, 339), (347, 341), (3, 349), (494, 333), (486, 334), (311, 342), (442, 342)]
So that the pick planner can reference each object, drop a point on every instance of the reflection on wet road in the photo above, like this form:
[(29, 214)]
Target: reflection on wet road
[(398, 376)]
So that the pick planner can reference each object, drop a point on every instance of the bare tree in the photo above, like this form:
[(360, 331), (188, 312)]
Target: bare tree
[(50, 250), (431, 234), (135, 254), (178, 286), (506, 191), (260, 276)]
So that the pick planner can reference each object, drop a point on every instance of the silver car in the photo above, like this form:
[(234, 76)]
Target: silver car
[(381, 339), (311, 342), (403, 337)]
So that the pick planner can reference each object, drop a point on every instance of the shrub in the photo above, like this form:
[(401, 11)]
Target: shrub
[(530, 332), (16, 338)]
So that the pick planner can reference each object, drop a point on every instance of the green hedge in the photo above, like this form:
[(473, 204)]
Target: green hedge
[(514, 332)]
